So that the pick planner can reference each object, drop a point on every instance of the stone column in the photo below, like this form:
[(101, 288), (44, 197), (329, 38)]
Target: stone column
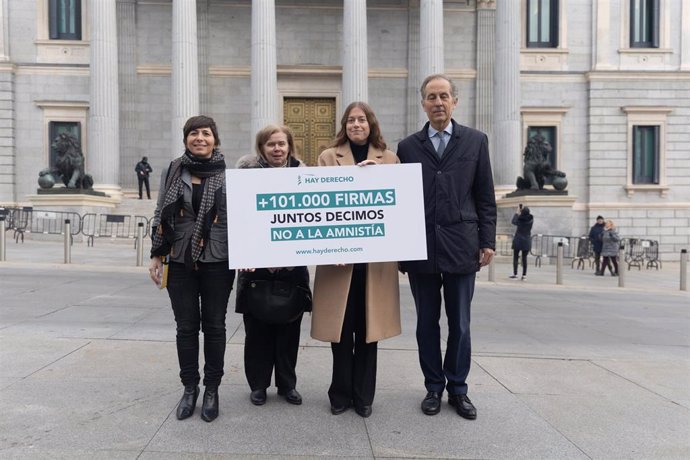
[(103, 155), (204, 46), (430, 43), (486, 58), (127, 58), (507, 144), (414, 77), (4, 32), (264, 80), (602, 32), (185, 70), (355, 64), (7, 120), (685, 36)]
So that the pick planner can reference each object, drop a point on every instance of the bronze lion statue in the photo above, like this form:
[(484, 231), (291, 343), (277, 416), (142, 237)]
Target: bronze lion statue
[(69, 165), (537, 165)]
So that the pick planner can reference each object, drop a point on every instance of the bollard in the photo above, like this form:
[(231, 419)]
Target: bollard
[(68, 248), (492, 269), (3, 245), (140, 244), (684, 270), (621, 268), (559, 263)]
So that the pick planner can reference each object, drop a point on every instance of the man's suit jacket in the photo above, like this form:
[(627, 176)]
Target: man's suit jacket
[(459, 199)]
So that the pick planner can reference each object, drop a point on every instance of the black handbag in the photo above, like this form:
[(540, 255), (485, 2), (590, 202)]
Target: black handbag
[(273, 301)]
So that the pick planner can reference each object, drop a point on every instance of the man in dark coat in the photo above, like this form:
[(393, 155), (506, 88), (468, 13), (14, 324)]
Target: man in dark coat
[(143, 170), (595, 237), (460, 210)]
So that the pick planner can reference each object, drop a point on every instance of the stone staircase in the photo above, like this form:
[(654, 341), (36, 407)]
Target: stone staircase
[(131, 204)]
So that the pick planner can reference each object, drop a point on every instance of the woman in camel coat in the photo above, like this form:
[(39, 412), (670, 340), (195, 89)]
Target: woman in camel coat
[(356, 305)]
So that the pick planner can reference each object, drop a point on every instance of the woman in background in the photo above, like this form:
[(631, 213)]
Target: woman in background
[(522, 241), (609, 248)]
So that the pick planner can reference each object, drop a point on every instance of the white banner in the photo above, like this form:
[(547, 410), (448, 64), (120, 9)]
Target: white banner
[(284, 217)]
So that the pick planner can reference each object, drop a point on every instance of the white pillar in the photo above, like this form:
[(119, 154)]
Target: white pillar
[(685, 36), (486, 61), (4, 32), (264, 80), (602, 32), (507, 144), (185, 70), (430, 43), (355, 64), (103, 155)]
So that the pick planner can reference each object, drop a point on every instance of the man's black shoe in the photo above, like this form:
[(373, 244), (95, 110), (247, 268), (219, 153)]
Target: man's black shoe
[(463, 406), (292, 396), (258, 397), (431, 405)]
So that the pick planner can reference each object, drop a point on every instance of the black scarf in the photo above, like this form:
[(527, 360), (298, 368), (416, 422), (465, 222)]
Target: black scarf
[(212, 174)]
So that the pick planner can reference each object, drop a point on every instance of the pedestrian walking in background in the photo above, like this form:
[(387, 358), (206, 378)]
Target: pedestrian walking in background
[(522, 241), (609, 250), (595, 238)]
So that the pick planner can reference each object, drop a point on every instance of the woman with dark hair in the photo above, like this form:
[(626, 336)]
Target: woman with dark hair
[(189, 229), (356, 305), (270, 346), (522, 241)]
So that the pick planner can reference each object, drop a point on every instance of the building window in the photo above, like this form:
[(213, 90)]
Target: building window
[(646, 149), (65, 19), (55, 128), (644, 23), (542, 23), (549, 135), (645, 167)]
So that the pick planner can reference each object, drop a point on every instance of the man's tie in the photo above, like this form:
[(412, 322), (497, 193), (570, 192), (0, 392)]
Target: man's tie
[(441, 144)]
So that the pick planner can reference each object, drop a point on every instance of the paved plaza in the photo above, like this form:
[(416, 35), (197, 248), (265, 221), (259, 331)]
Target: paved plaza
[(583, 370)]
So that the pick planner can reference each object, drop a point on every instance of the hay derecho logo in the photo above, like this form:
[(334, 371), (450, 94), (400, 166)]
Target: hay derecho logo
[(314, 179)]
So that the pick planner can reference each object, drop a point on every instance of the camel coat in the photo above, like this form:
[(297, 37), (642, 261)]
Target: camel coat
[(332, 282)]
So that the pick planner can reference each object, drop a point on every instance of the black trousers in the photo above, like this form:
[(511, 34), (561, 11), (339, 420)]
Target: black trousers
[(597, 261), (608, 261), (354, 360), (458, 291), (523, 261), (269, 346), (144, 180), (199, 299)]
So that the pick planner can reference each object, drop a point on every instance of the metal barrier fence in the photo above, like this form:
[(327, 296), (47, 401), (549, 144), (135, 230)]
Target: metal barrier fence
[(18, 220), (111, 226), (641, 252), (547, 246), (53, 222)]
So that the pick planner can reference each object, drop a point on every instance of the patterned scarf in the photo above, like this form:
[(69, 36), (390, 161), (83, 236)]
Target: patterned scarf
[(212, 174)]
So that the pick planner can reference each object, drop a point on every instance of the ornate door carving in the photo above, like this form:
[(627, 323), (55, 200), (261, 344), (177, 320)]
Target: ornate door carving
[(312, 121)]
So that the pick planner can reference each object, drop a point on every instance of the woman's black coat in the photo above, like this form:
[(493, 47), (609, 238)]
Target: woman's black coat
[(522, 241)]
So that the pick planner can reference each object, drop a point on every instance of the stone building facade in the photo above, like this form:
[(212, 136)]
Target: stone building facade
[(607, 81)]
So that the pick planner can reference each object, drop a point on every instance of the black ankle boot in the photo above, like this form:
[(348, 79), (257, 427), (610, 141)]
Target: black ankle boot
[(186, 406), (209, 408)]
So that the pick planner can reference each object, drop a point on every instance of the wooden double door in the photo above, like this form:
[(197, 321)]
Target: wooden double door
[(312, 121)]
